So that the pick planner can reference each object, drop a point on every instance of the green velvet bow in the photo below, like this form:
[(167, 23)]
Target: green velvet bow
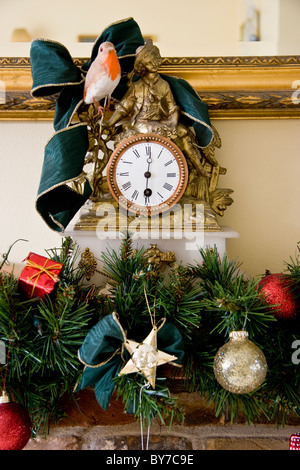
[(54, 72), (103, 355)]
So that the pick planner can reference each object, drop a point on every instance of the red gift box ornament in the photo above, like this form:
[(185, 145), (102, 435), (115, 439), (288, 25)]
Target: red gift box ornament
[(39, 276), (295, 441)]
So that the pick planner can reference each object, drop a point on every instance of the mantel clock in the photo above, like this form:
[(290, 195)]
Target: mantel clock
[(147, 174)]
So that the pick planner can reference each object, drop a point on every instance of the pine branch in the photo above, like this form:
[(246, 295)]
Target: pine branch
[(123, 267), (252, 406), (146, 403), (293, 275), (214, 269), (179, 300), (239, 307), (204, 301), (233, 300), (74, 272), (6, 255)]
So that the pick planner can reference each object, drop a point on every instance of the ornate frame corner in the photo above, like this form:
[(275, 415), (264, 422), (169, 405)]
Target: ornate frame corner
[(232, 87)]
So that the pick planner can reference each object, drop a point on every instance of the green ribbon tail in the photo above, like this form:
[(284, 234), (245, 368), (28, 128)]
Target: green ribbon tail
[(63, 188), (100, 353), (194, 111), (52, 68)]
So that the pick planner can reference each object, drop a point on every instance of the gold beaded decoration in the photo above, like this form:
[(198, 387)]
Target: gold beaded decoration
[(88, 263)]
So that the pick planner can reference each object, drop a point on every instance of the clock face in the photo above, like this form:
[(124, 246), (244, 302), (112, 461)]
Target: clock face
[(147, 174)]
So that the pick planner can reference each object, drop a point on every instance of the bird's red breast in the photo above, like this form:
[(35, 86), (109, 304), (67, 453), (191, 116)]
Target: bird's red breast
[(113, 65)]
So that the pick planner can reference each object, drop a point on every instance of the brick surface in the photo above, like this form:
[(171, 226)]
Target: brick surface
[(134, 443), (180, 437), (247, 444), (89, 427), (55, 443)]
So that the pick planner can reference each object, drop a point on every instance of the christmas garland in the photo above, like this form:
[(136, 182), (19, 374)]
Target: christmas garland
[(80, 336)]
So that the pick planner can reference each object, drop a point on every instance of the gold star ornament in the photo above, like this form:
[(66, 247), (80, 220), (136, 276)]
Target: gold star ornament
[(145, 357)]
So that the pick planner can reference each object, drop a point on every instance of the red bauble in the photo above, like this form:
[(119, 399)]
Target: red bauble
[(15, 426), (277, 291)]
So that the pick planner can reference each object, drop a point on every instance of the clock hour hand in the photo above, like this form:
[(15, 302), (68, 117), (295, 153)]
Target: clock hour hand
[(147, 193)]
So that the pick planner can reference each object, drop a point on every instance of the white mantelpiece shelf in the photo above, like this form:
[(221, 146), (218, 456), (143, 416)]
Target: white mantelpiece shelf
[(185, 245)]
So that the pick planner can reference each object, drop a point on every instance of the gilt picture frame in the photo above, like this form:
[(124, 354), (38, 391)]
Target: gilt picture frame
[(242, 87)]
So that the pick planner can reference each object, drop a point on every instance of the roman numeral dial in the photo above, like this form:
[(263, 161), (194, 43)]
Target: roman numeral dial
[(147, 174)]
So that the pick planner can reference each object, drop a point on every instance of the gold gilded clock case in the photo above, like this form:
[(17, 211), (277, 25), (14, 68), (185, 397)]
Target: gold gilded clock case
[(149, 107)]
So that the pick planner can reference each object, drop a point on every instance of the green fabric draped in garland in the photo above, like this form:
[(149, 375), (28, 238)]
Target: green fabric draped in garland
[(54, 72)]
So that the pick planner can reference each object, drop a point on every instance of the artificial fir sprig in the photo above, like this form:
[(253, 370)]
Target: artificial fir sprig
[(175, 298), (6, 255), (137, 286), (179, 300), (214, 269), (74, 272), (125, 270), (146, 403), (204, 301), (234, 302), (251, 407), (292, 274), (293, 266), (44, 337), (239, 307), (231, 297)]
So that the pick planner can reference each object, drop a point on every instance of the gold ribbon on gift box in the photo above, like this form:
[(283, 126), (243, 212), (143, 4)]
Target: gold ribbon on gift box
[(42, 270)]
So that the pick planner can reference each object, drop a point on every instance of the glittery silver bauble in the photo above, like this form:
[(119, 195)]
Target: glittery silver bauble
[(240, 366)]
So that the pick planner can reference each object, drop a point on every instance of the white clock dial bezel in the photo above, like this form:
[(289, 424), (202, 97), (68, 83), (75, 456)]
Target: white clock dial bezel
[(168, 174)]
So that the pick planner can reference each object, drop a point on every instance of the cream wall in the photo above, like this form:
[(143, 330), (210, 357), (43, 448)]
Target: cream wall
[(180, 27), (263, 162), (171, 21), (262, 158), (21, 157)]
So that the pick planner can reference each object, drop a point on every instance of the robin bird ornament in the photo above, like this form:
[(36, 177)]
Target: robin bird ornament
[(103, 76)]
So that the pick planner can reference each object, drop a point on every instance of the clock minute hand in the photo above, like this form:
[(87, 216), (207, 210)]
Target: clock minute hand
[(147, 174)]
